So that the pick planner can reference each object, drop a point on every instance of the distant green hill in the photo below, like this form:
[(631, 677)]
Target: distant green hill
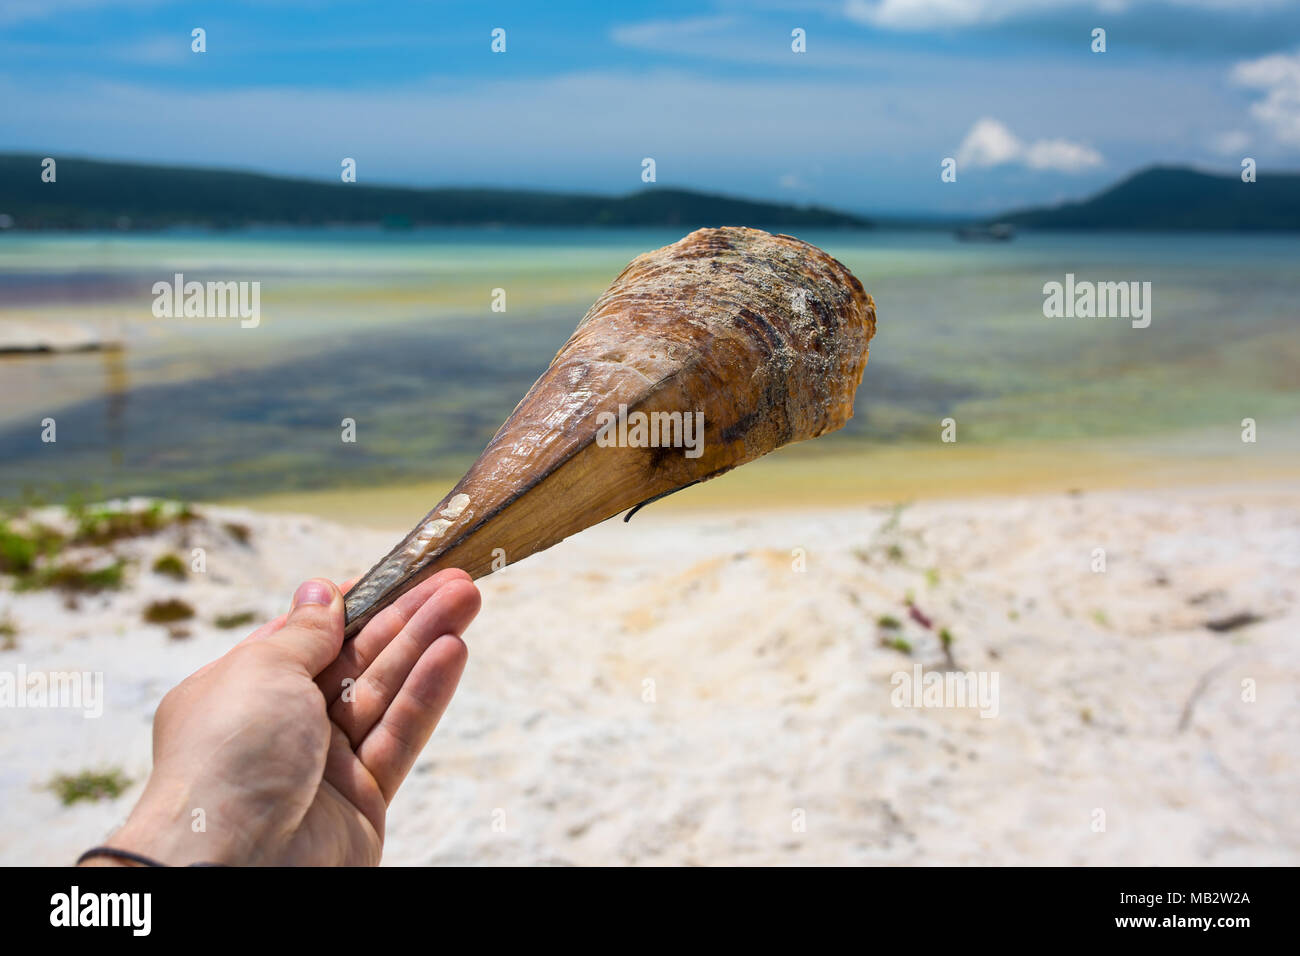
[(89, 194), (1172, 197)]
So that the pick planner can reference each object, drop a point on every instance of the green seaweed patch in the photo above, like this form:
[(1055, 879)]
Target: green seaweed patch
[(167, 611), (240, 532), (74, 578), (105, 525), (20, 549), (89, 785), (896, 643), (227, 621), (170, 566), (945, 639)]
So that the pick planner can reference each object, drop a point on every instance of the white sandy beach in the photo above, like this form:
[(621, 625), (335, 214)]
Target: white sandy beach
[(673, 691)]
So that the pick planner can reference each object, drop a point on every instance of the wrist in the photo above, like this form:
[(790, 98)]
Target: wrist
[(172, 833)]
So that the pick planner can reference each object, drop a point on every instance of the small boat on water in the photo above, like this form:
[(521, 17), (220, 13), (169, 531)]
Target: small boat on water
[(995, 232)]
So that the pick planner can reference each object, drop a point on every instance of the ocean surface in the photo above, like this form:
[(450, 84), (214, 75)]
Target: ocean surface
[(396, 332)]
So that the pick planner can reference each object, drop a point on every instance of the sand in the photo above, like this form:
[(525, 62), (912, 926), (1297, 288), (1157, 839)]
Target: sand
[(714, 687)]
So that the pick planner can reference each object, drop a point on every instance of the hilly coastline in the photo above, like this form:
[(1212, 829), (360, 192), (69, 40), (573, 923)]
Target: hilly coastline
[(96, 194), (92, 194), (1175, 198)]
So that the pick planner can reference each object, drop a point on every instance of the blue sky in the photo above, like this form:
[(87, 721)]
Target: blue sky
[(711, 90)]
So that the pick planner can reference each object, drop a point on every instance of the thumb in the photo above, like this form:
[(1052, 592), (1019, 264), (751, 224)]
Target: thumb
[(313, 632)]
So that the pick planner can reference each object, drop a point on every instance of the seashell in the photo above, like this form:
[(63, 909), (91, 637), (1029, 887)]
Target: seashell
[(701, 356)]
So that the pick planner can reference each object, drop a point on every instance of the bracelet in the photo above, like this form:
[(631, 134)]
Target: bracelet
[(116, 854)]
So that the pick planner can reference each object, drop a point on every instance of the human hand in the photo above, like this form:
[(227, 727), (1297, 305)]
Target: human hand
[(290, 747)]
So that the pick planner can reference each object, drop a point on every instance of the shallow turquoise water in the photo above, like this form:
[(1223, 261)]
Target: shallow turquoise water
[(395, 330)]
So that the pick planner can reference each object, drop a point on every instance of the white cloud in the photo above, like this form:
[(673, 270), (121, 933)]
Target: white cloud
[(1278, 76), (924, 14), (1231, 142), (665, 34), (20, 11), (943, 14), (1061, 155), (735, 40), (793, 181), (990, 143)]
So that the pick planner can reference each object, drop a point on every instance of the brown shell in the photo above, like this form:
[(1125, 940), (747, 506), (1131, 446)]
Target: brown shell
[(765, 335)]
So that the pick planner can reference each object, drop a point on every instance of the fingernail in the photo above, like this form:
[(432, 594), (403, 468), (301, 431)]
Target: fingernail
[(312, 592)]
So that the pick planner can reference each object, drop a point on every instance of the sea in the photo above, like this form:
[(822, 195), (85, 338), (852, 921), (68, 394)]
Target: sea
[(422, 341)]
